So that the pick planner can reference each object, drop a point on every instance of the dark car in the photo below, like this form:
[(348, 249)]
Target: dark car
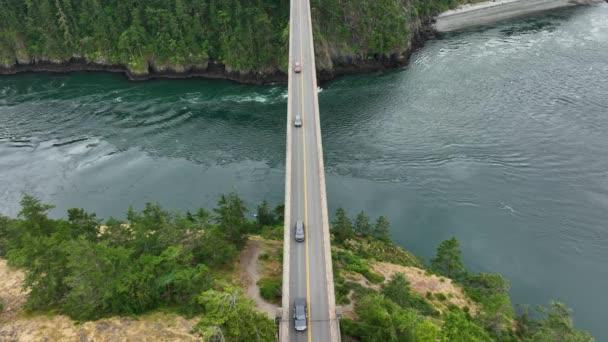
[(297, 68), (299, 233), (300, 314)]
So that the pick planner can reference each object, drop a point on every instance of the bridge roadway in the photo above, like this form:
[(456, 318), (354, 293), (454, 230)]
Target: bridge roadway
[(307, 265)]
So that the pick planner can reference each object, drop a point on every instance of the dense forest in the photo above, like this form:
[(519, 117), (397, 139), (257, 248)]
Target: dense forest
[(178, 35)]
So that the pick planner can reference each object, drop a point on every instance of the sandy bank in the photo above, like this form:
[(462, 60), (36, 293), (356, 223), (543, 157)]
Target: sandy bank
[(491, 11)]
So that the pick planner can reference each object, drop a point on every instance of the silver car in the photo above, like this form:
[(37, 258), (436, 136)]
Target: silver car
[(299, 233), (299, 314), (298, 121)]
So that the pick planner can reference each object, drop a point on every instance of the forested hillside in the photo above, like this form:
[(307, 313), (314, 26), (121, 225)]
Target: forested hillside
[(178, 36), (188, 264)]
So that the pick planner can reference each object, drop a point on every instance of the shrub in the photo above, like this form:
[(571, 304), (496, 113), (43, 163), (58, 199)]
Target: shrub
[(264, 256), (440, 296), (373, 277), (273, 232), (429, 295), (280, 255), (382, 251), (270, 289)]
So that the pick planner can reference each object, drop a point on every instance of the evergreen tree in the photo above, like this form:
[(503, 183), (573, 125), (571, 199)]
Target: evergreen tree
[(342, 228), (83, 223), (448, 261), (362, 226), (230, 216), (382, 229), (279, 213), (265, 216), (555, 324), (229, 316)]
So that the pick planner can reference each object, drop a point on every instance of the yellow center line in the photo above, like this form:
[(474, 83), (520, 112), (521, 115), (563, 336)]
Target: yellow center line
[(306, 222)]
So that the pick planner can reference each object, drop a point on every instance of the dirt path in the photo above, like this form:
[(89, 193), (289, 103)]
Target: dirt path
[(250, 275)]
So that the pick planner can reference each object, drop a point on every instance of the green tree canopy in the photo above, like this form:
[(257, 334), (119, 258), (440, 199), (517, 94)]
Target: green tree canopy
[(362, 226), (382, 229), (555, 324), (265, 215), (230, 216), (458, 327), (342, 227), (448, 260), (228, 316), (398, 290)]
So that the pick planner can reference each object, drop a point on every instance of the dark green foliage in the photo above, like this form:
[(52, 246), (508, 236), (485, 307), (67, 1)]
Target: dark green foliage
[(265, 216), (362, 226), (155, 259), (381, 320), (442, 297), (382, 230), (555, 324), (460, 328), (351, 262), (242, 34), (214, 249), (279, 213), (273, 233), (398, 290), (485, 284), (228, 316), (230, 217), (373, 277), (271, 289), (8, 233), (491, 291), (448, 261), (342, 227)]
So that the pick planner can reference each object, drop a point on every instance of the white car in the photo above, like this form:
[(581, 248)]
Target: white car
[(298, 121)]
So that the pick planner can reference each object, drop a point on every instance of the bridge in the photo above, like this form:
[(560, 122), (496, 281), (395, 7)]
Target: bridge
[(307, 265)]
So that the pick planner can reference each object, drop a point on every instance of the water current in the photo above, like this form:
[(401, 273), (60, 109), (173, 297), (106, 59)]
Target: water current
[(496, 135)]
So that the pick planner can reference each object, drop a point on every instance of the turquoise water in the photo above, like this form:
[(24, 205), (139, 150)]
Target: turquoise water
[(496, 135)]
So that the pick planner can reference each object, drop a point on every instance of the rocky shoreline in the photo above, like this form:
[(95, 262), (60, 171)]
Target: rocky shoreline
[(214, 70), (340, 66)]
